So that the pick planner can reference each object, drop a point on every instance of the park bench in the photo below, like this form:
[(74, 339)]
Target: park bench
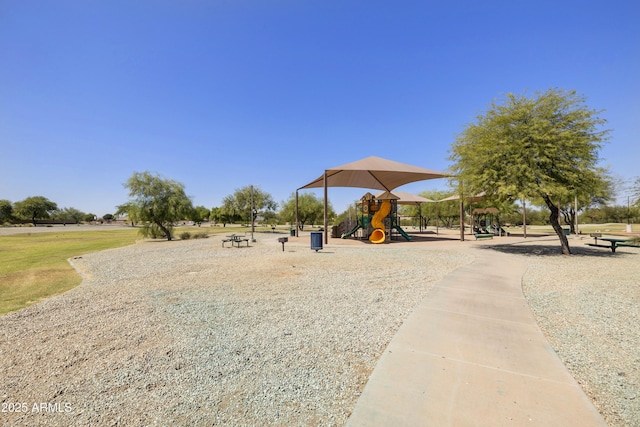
[(483, 236)]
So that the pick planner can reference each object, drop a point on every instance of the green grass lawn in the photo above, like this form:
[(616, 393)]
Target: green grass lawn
[(34, 266)]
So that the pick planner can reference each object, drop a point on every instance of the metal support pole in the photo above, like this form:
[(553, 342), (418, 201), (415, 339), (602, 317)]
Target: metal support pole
[(461, 219), (252, 218), (576, 208), (524, 218), (297, 220), (326, 215)]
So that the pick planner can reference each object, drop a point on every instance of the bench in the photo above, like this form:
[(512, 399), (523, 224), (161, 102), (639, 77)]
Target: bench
[(483, 236)]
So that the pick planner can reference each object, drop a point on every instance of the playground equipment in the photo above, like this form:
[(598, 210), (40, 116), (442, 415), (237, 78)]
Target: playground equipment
[(379, 235), (378, 217), (483, 222)]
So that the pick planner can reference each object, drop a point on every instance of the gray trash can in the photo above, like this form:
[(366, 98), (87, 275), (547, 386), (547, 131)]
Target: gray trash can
[(316, 240)]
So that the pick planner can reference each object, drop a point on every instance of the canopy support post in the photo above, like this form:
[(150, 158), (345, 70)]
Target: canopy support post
[(326, 216)]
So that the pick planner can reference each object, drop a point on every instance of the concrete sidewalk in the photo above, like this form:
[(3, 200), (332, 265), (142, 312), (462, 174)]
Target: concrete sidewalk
[(471, 354)]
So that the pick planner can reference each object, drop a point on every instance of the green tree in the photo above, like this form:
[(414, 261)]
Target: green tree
[(601, 191), (310, 210), (243, 200), (131, 210), (546, 146), (199, 214), (635, 191), (71, 215), (6, 211), (156, 202), (34, 208)]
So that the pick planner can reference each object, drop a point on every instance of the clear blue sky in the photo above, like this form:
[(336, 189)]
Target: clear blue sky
[(222, 94)]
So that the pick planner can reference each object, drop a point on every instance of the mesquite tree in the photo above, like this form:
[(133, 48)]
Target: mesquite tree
[(541, 147), (156, 202)]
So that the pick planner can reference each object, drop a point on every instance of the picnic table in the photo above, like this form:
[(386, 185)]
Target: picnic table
[(614, 242), (235, 239)]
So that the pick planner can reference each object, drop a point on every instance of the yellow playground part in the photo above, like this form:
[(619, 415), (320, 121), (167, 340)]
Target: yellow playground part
[(378, 235)]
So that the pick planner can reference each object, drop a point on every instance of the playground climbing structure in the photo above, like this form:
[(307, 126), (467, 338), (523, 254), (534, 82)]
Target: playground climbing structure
[(377, 219)]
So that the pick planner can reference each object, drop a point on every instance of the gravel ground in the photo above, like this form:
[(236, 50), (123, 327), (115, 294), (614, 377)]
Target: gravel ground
[(191, 333), (188, 332), (588, 306)]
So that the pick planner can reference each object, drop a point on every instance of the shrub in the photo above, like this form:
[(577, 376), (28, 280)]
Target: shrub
[(185, 236), (201, 235)]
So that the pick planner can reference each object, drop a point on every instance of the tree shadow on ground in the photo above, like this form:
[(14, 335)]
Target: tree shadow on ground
[(550, 249)]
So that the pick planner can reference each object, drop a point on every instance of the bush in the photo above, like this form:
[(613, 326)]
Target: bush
[(185, 236)]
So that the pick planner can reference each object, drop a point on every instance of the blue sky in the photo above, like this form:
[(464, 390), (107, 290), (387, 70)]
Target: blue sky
[(222, 94)]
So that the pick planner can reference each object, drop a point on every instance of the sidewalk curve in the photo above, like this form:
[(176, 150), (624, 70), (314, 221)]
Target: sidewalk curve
[(471, 354)]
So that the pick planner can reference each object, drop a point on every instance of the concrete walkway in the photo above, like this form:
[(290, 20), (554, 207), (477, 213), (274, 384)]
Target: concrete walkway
[(471, 354)]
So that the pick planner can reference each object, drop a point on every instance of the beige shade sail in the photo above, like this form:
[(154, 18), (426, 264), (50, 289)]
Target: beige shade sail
[(405, 198), (475, 198), (374, 172)]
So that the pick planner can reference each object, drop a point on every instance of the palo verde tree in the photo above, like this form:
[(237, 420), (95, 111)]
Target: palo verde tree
[(310, 210), (541, 147), (156, 202), (34, 208)]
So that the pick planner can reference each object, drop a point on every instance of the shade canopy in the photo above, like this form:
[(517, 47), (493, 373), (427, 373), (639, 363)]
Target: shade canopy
[(475, 198), (375, 173), (485, 211), (405, 198)]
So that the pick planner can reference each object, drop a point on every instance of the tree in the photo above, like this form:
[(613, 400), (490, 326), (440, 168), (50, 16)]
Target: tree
[(310, 210), (635, 191), (71, 215), (199, 214), (601, 192), (157, 202), (6, 211), (546, 146), (131, 210), (34, 208), (243, 200)]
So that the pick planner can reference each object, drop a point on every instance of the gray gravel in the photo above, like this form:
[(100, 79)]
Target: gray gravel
[(588, 306), (191, 333), (181, 333)]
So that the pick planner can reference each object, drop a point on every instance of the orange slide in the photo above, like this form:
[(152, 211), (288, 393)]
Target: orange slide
[(378, 235)]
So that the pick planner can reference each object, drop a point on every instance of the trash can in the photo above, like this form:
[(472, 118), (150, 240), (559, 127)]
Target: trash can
[(292, 232), (316, 240), (567, 231)]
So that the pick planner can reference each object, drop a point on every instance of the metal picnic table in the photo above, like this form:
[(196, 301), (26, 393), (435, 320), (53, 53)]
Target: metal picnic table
[(235, 239), (614, 242)]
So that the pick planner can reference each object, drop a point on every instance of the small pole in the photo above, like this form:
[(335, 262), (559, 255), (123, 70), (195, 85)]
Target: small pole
[(524, 217), (252, 217), (576, 208)]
